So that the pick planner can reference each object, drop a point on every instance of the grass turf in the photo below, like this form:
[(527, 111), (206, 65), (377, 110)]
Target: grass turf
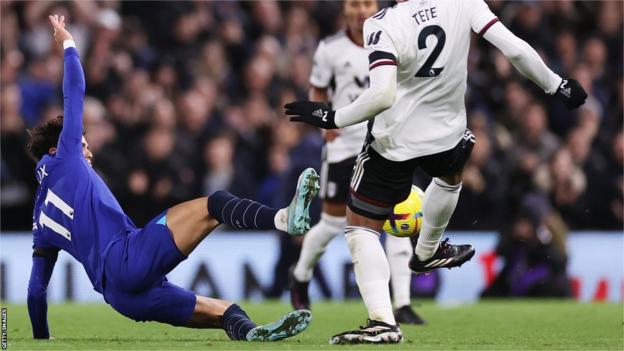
[(493, 325)]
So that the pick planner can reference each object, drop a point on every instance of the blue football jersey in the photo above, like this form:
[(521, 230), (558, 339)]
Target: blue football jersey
[(74, 209)]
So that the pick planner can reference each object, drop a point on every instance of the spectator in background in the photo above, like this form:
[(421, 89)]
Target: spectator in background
[(565, 184), (222, 173), (533, 250), (17, 182)]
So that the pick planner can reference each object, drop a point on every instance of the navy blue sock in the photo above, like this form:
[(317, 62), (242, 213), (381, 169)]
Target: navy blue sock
[(241, 213), (236, 323)]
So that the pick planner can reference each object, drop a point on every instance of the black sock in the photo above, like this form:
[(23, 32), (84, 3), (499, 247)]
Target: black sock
[(241, 213), (236, 323)]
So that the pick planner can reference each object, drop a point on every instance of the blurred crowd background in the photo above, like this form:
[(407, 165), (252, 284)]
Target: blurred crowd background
[(184, 98)]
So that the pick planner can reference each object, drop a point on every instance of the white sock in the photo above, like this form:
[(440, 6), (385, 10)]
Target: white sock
[(438, 206), (281, 220), (371, 272), (314, 245), (399, 251)]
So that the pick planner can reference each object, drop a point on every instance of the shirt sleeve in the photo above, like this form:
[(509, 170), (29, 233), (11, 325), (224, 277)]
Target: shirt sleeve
[(70, 140), (37, 294), (377, 39), (322, 72), (523, 57), (480, 16)]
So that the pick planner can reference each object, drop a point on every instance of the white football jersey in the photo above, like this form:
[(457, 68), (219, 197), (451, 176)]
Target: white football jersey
[(430, 40), (342, 66)]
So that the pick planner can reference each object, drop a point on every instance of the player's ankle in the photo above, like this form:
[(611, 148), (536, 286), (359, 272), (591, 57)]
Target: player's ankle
[(281, 220)]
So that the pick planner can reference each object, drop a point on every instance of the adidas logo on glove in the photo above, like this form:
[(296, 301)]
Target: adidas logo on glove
[(320, 114)]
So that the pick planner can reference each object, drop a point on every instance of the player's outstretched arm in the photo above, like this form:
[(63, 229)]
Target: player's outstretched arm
[(378, 97), (530, 64), (43, 265), (70, 140)]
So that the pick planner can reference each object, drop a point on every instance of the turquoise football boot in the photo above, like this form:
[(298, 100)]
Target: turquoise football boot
[(289, 325), (299, 208)]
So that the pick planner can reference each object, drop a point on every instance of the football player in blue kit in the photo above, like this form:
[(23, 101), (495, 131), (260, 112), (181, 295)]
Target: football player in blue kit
[(75, 211)]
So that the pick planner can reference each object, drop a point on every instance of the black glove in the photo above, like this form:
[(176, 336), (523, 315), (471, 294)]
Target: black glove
[(318, 114), (571, 93)]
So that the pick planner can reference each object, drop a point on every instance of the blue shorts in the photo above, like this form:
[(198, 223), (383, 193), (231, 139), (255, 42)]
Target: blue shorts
[(135, 283)]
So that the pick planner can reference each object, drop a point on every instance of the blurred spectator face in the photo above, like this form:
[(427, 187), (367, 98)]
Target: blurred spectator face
[(589, 120), (166, 76), (219, 153), (163, 114), (610, 21), (286, 134), (561, 165), (300, 71), (517, 98), (137, 84), (278, 160), (481, 150), (257, 111), (11, 100), (208, 90), (213, 57), (357, 11), (579, 144), (534, 122), (595, 55), (11, 121), (269, 48), (566, 48), (99, 130), (583, 74), (194, 111), (529, 16), (158, 143), (232, 31), (258, 74), (186, 28), (268, 14), (10, 63)]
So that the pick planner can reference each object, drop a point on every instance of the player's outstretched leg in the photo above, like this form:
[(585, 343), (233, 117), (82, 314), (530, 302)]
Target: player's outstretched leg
[(247, 214), (289, 325), (438, 205), (238, 326), (214, 313)]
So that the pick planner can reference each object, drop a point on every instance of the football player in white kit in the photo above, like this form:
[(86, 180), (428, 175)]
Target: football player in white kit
[(341, 67), (418, 54)]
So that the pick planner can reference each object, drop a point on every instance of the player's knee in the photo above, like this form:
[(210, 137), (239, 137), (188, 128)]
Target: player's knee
[(453, 179)]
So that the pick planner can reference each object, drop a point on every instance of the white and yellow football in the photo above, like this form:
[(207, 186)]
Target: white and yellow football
[(406, 218)]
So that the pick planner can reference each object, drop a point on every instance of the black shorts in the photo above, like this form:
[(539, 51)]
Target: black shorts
[(378, 184), (335, 179)]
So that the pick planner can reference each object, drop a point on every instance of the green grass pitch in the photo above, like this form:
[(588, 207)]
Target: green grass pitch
[(494, 325)]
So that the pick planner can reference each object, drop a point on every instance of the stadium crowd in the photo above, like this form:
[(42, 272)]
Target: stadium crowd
[(185, 98)]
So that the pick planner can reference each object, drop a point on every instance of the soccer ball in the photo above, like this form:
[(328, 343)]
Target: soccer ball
[(406, 218)]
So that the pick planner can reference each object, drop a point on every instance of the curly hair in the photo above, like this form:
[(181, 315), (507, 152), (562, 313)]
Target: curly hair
[(43, 137)]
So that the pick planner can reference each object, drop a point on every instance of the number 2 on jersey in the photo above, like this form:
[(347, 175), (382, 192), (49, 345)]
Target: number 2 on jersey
[(427, 70)]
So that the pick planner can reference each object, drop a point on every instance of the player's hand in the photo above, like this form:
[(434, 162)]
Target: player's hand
[(318, 114), (60, 33), (571, 93)]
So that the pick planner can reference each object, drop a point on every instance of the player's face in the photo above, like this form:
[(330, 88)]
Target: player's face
[(357, 11), (86, 152)]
